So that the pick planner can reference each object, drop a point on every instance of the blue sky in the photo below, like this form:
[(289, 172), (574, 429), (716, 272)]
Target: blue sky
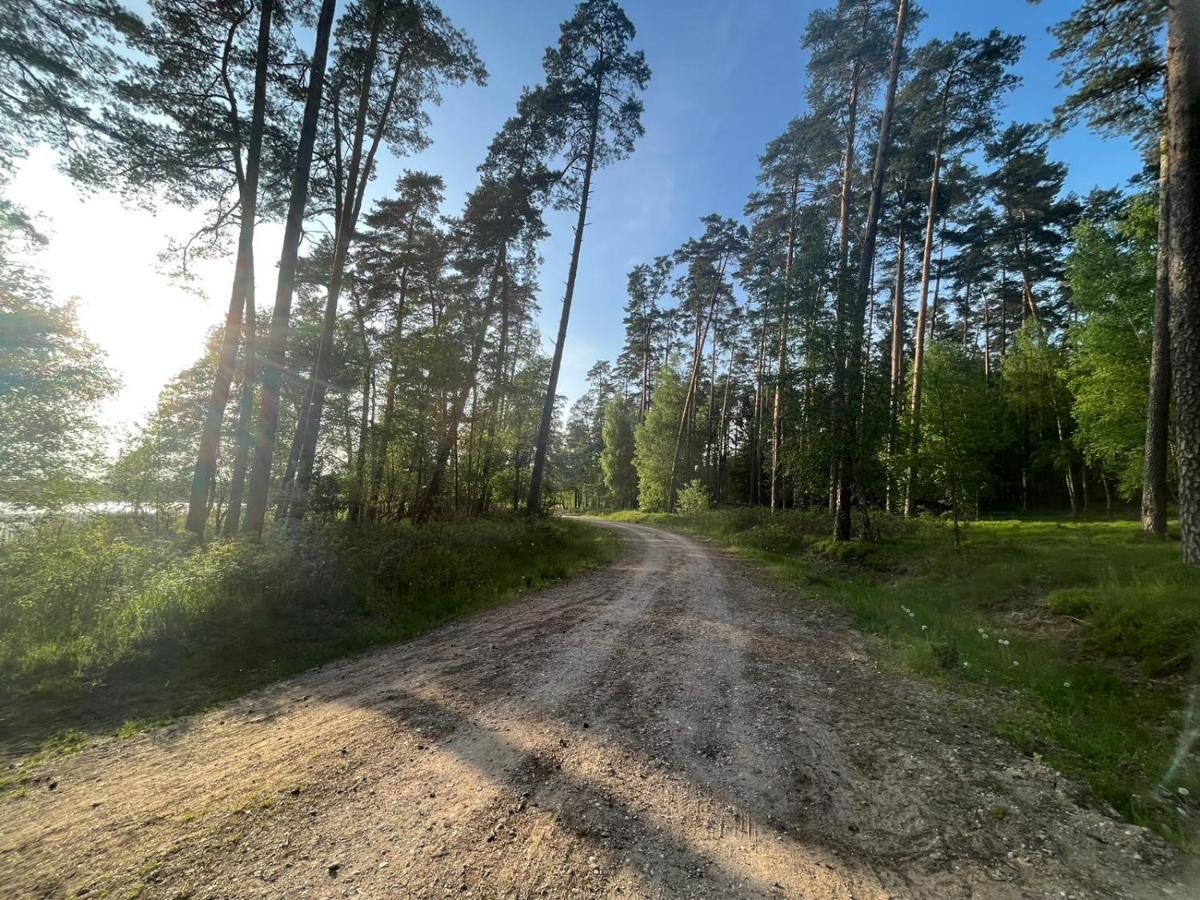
[(726, 79)]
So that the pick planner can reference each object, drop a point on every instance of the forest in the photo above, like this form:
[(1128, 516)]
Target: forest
[(910, 314), (915, 376)]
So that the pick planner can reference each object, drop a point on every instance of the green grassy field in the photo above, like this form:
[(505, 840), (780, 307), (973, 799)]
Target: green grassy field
[(110, 622), (1078, 638)]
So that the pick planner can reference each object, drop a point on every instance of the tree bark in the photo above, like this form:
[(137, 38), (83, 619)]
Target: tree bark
[(1158, 402), (268, 415), (533, 506), (781, 365), (243, 278), (358, 174), (693, 382), (848, 471), (896, 375), (914, 440), (245, 438), (1183, 122)]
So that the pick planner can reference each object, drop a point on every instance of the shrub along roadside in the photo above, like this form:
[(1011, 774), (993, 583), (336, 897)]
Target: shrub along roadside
[(1078, 639), (110, 619)]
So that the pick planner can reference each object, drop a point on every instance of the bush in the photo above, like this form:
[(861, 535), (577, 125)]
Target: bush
[(694, 498)]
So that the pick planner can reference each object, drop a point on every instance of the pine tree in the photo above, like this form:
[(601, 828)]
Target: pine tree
[(277, 338), (956, 90), (1183, 142), (1112, 57), (594, 81)]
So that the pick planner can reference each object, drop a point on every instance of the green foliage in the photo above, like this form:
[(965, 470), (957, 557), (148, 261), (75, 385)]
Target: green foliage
[(959, 440), (154, 468), (1112, 58), (654, 441), (51, 380), (1035, 390), (616, 459), (57, 58), (693, 498), (121, 614), (1112, 272)]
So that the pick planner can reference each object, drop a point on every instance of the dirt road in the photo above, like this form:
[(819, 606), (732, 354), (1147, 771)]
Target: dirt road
[(664, 727)]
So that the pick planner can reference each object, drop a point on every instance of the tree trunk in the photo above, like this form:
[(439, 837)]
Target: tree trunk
[(359, 491), (268, 414), (1183, 122), (896, 379), (693, 382), (243, 278), (245, 414), (723, 431), (849, 476), (777, 415), (781, 365), (840, 402), (1158, 403), (914, 439), (358, 174), (755, 486), (533, 507)]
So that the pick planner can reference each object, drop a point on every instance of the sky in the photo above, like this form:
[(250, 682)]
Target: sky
[(727, 77)]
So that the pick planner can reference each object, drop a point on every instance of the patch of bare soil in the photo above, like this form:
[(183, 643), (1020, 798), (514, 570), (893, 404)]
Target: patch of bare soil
[(663, 727)]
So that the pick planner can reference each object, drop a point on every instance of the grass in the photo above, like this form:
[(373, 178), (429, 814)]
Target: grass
[(1078, 639), (112, 621)]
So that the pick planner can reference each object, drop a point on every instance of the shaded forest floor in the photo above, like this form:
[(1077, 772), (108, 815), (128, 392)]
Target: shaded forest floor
[(1075, 640), (113, 623), (666, 726)]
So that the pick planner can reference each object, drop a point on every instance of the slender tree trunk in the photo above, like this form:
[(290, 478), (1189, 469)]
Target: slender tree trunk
[(382, 442), (896, 379), (840, 406), (987, 342), (723, 431), (693, 382), (937, 288), (781, 365), (754, 487), (241, 460), (1158, 405), (243, 278), (358, 174), (1183, 122), (849, 476), (534, 505), (359, 491), (914, 439), (268, 415), (777, 415)]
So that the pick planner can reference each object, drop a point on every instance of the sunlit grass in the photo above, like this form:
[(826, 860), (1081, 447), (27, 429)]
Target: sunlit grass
[(111, 618), (1078, 638)]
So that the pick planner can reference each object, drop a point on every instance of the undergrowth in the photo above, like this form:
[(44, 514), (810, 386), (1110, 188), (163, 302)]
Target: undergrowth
[(1078, 638), (112, 619)]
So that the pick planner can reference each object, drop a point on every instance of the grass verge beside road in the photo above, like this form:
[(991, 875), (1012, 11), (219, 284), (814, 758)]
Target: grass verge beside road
[(111, 620)]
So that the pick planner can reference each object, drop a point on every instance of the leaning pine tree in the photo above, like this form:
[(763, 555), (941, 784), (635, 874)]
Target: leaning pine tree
[(595, 80)]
